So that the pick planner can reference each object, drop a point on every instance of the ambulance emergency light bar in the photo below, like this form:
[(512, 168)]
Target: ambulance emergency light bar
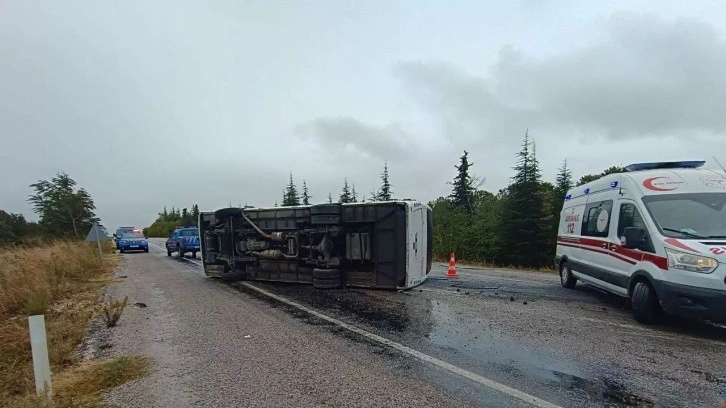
[(586, 191), (693, 164)]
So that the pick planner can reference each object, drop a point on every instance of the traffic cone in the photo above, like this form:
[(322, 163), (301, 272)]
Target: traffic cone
[(452, 266)]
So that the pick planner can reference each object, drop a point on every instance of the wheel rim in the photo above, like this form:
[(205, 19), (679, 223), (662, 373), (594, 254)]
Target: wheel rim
[(564, 274)]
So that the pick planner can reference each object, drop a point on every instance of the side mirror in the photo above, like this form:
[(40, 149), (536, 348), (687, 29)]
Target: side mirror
[(634, 237)]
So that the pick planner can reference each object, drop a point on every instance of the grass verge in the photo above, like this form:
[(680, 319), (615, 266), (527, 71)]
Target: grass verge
[(486, 265), (63, 281)]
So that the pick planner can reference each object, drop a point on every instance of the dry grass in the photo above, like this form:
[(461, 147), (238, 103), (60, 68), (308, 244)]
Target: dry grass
[(63, 281), (83, 385)]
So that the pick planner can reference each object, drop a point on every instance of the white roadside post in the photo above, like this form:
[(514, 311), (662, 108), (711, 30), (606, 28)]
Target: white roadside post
[(39, 347), (98, 241)]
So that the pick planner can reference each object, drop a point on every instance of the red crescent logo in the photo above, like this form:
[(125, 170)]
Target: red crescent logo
[(648, 183)]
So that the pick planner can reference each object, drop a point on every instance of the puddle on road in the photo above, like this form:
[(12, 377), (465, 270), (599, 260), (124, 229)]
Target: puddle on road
[(604, 390), (439, 324), (481, 344)]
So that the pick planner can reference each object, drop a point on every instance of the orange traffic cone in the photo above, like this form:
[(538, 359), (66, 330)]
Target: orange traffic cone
[(452, 266)]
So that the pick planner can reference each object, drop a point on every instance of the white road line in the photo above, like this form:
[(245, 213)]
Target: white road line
[(415, 353), (643, 331), (400, 347), (158, 247)]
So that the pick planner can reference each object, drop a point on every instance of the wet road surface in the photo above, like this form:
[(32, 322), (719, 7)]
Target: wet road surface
[(215, 347), (574, 348)]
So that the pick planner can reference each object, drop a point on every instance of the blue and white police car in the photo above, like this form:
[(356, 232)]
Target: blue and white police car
[(133, 240)]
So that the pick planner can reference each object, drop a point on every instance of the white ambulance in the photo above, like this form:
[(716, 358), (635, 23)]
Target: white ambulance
[(655, 234)]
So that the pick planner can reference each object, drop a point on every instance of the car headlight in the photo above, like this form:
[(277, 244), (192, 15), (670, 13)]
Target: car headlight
[(123, 241), (690, 262)]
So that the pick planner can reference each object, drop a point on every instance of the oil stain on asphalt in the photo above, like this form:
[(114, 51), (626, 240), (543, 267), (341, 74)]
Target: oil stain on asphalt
[(478, 348)]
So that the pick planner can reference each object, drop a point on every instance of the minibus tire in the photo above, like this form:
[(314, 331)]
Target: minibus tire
[(326, 273), (233, 276), (327, 283), (570, 281), (644, 303)]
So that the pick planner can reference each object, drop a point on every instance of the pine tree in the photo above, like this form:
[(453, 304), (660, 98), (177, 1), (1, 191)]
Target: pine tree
[(305, 194), (462, 194), (290, 195), (330, 199), (354, 195), (524, 224), (345, 196), (385, 193), (275, 203), (195, 213), (563, 183)]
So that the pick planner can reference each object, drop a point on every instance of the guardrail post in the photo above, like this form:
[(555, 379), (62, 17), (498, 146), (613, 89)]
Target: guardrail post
[(39, 347)]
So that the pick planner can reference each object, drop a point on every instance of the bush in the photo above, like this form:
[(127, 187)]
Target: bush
[(112, 311)]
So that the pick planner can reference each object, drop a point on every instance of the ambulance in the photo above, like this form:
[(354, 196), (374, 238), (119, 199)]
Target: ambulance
[(654, 234)]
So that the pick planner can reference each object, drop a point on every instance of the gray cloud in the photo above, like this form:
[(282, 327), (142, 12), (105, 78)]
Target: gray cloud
[(341, 134), (648, 76), (147, 105)]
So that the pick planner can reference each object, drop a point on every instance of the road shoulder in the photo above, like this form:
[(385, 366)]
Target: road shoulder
[(214, 346)]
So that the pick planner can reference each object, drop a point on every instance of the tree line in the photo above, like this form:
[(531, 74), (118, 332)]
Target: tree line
[(168, 220), (292, 196), (515, 226), (64, 211)]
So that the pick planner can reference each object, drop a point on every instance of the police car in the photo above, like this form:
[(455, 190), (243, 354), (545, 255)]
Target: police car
[(133, 240), (655, 234), (119, 232), (183, 240)]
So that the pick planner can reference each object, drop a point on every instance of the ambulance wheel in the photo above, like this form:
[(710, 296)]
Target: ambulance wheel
[(644, 303), (566, 278)]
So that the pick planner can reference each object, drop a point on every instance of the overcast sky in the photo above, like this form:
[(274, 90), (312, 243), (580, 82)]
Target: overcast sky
[(153, 103)]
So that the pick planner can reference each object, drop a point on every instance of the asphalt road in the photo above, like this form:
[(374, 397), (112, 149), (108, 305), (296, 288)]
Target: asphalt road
[(486, 338)]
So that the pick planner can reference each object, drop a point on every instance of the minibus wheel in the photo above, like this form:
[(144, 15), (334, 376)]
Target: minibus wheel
[(644, 303)]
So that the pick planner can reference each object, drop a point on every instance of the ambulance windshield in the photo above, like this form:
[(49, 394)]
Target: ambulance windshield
[(694, 215)]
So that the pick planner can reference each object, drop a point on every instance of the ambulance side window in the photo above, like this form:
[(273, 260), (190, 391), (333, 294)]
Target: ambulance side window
[(596, 220)]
